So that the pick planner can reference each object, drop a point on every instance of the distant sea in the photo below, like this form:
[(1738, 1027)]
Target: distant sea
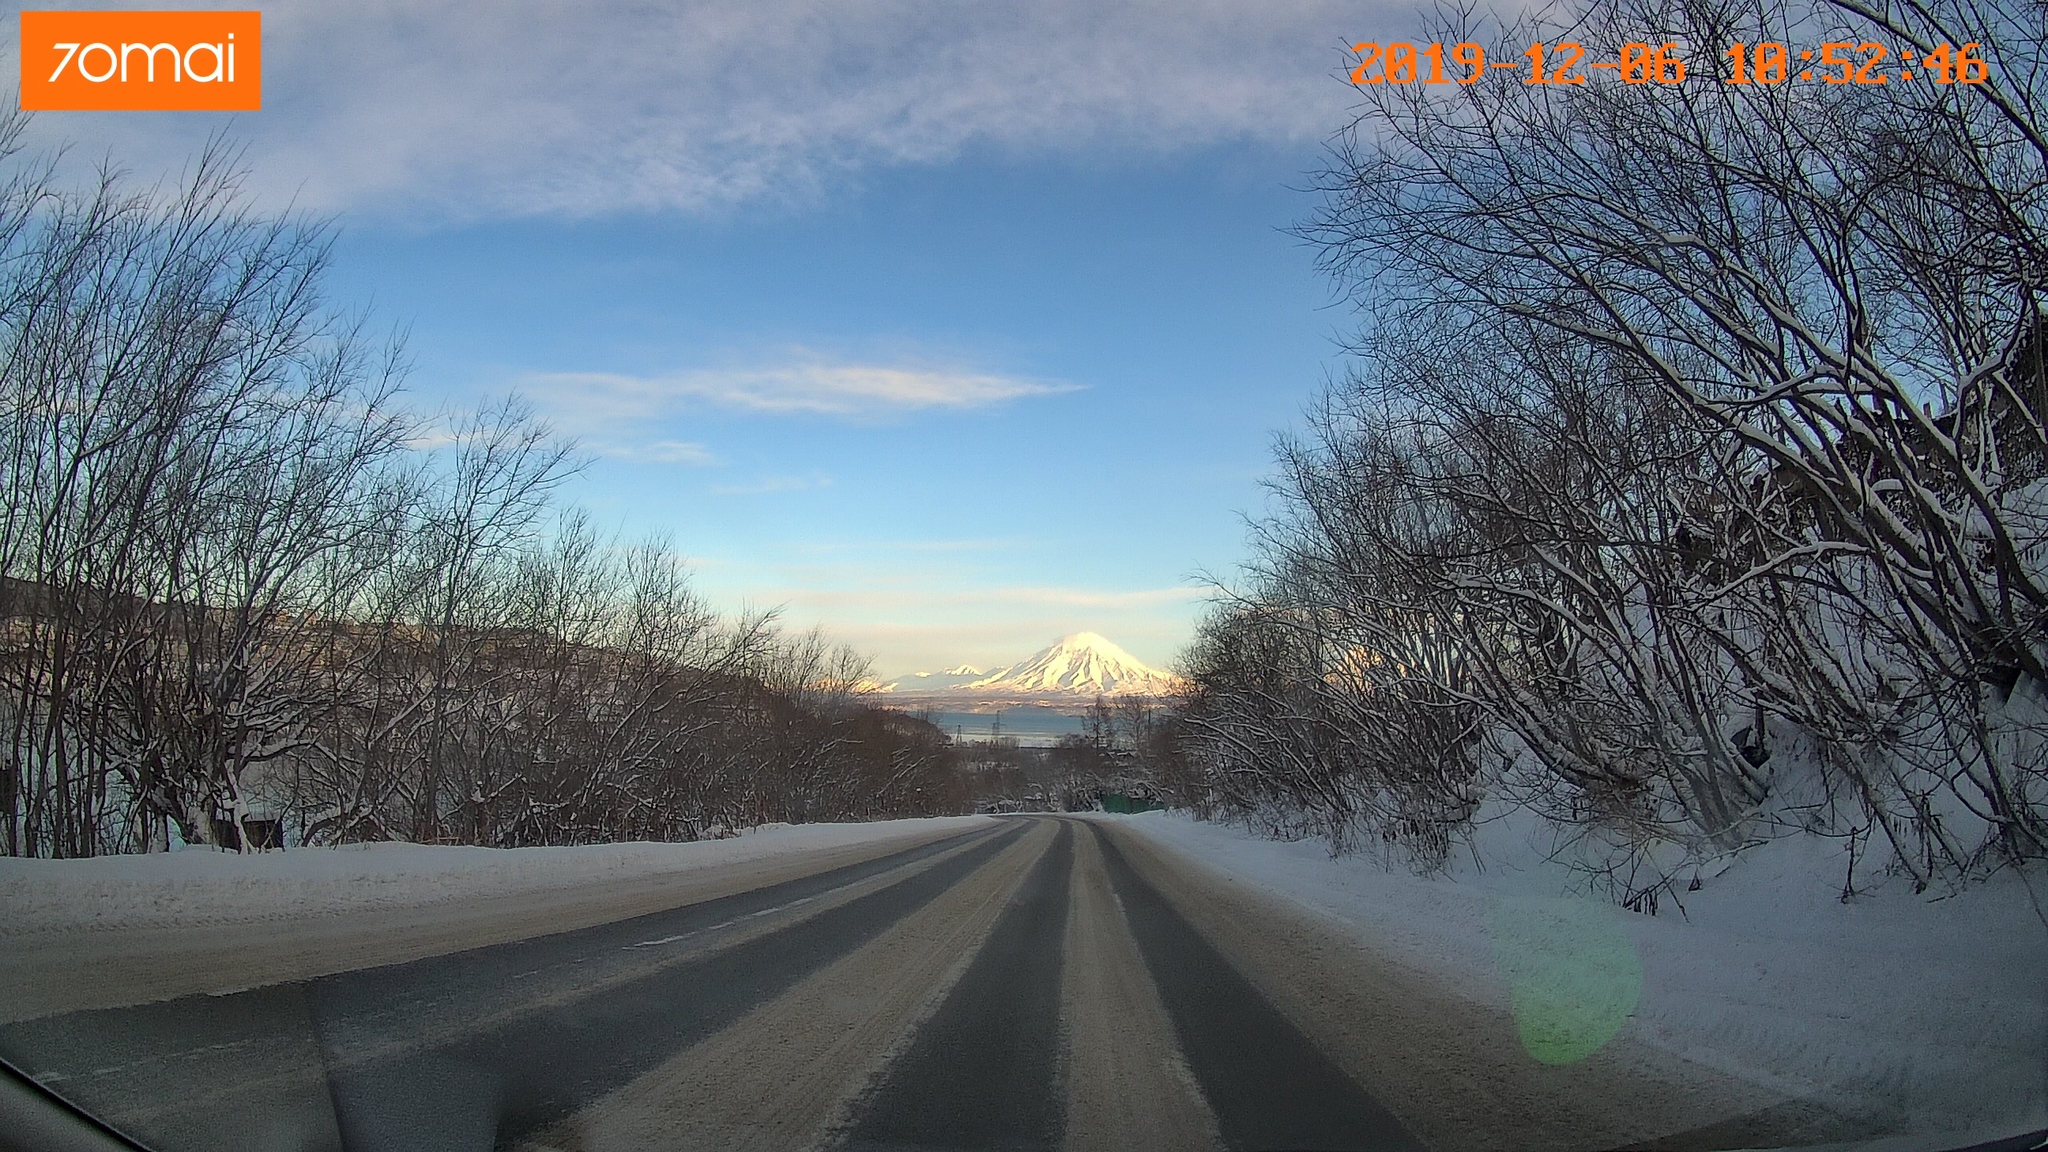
[(1032, 725)]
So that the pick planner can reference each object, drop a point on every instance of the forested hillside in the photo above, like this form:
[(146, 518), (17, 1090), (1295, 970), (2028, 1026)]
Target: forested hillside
[(250, 597)]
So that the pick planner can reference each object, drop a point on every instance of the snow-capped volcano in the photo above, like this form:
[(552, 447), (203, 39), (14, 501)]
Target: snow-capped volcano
[(1084, 664), (1075, 668)]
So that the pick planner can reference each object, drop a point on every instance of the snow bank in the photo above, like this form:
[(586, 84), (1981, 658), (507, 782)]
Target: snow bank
[(203, 887), (1923, 1014)]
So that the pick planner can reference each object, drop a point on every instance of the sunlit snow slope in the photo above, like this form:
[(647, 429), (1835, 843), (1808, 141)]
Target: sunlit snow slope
[(1084, 664), (1075, 668)]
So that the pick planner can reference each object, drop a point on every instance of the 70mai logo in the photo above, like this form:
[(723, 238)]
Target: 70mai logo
[(141, 61)]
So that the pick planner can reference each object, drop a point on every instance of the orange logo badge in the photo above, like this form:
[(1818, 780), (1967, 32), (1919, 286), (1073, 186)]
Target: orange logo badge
[(141, 61)]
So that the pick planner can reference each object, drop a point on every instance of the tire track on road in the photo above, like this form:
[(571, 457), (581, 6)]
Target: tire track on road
[(1268, 1084), (379, 1038), (1129, 1088), (984, 1071), (362, 1013), (1449, 1063), (47, 974), (542, 1066), (785, 1075)]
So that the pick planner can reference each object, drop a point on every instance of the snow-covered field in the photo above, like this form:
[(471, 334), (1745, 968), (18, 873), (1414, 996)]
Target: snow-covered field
[(1931, 1014), (195, 887)]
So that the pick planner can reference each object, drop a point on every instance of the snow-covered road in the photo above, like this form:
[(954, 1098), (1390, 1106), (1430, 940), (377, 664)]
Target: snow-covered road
[(1088, 983)]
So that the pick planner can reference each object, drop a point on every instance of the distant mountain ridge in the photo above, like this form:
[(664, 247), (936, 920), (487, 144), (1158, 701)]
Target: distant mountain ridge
[(926, 682), (1077, 667)]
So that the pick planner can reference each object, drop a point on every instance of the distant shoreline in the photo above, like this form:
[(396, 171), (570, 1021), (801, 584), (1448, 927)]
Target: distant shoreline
[(978, 704), (1029, 725)]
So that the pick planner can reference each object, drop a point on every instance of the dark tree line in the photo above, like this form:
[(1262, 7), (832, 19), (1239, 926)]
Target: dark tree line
[(1692, 483), (247, 596), (1125, 744)]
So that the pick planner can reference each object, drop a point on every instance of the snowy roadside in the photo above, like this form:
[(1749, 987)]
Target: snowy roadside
[(197, 887), (1917, 1013)]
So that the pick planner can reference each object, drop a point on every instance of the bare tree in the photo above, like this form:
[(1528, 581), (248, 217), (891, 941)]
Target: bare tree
[(1695, 462), (249, 597)]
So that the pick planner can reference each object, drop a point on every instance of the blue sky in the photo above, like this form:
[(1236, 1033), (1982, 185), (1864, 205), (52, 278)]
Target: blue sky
[(951, 328)]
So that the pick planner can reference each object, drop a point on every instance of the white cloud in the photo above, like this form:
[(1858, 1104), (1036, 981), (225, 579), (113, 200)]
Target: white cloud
[(922, 605), (858, 601), (912, 628), (817, 387), (627, 417), (886, 547), (492, 108), (658, 452)]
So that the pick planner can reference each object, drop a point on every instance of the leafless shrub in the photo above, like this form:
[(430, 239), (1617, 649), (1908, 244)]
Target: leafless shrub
[(1696, 456), (244, 594)]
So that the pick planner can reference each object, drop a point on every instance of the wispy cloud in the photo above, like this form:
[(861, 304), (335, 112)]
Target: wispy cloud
[(915, 607), (494, 108), (884, 547), (820, 387), (659, 452), (625, 416), (882, 600), (911, 628)]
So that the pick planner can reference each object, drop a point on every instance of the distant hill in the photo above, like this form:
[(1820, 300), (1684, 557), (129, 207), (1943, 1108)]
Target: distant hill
[(950, 679)]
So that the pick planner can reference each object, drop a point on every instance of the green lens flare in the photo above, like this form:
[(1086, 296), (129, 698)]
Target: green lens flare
[(1573, 975)]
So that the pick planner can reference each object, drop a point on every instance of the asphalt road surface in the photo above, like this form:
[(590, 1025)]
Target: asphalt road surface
[(1044, 983)]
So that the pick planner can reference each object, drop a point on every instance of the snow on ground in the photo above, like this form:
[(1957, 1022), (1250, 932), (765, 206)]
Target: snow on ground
[(199, 886), (1921, 1013)]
